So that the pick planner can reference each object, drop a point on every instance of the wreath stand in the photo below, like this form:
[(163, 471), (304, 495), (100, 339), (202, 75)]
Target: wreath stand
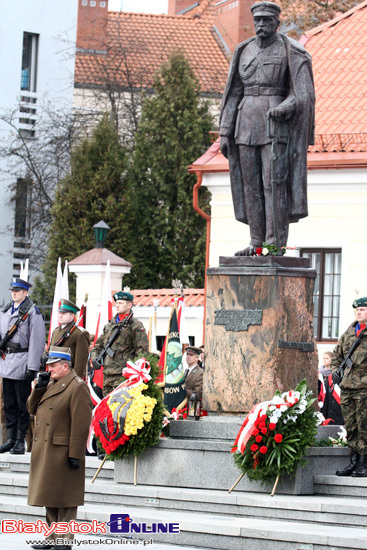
[(135, 469), (271, 494)]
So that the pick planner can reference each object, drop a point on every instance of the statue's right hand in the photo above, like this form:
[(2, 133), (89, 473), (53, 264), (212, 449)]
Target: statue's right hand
[(224, 145)]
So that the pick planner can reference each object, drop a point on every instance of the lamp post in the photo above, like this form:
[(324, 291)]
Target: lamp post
[(100, 232)]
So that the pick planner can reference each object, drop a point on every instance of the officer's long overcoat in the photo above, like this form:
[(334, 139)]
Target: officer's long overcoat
[(30, 334), (63, 415)]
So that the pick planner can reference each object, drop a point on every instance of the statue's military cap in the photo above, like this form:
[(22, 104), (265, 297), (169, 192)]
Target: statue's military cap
[(122, 295), (265, 9), (66, 305), (360, 302)]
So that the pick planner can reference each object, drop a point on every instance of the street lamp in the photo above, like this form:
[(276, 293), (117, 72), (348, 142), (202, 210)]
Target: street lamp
[(100, 232)]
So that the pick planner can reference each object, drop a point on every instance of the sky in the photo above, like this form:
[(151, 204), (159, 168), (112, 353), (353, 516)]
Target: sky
[(144, 6)]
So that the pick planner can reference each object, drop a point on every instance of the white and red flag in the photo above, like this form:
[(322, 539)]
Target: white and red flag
[(58, 294), (65, 282), (105, 308), (152, 334), (24, 270)]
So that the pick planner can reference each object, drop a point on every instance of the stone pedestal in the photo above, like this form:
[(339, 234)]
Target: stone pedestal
[(259, 331), (197, 455)]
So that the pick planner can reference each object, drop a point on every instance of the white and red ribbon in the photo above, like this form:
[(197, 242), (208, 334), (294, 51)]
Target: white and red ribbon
[(137, 373)]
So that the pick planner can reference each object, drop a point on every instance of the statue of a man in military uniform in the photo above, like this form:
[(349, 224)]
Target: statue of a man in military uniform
[(269, 94)]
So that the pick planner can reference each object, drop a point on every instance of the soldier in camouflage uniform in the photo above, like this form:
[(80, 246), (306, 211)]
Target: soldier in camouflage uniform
[(353, 387), (131, 341)]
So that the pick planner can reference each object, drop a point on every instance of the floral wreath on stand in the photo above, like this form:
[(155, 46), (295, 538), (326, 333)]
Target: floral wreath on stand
[(129, 420), (275, 436)]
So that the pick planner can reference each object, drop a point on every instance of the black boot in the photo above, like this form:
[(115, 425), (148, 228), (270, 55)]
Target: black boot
[(361, 470), (351, 466), (10, 442), (19, 447)]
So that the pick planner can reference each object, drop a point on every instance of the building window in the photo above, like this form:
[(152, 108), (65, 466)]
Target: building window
[(29, 62), (21, 200), (327, 263)]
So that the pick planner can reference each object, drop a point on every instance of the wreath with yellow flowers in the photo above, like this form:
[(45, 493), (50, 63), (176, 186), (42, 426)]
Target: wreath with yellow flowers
[(129, 419)]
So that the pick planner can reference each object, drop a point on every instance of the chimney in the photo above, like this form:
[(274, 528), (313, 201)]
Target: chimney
[(176, 6), (92, 25), (233, 21)]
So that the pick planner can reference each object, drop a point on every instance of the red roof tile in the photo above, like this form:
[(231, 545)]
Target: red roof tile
[(192, 297), (339, 55), (140, 43), (99, 256)]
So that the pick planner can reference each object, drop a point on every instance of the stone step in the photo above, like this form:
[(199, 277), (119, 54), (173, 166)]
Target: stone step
[(340, 486), (327, 510), (211, 531), (20, 463)]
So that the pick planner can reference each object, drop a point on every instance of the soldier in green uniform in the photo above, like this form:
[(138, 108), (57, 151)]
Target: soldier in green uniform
[(131, 342), (353, 387), (67, 334)]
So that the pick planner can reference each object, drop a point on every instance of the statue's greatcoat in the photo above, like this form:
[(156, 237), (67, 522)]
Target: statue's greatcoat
[(301, 128)]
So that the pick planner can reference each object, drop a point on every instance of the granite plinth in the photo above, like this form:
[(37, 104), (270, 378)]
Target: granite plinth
[(259, 332), (226, 428), (208, 463), (264, 261)]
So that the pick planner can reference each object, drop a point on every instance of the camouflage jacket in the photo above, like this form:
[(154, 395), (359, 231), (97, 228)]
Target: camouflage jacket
[(131, 341), (356, 377)]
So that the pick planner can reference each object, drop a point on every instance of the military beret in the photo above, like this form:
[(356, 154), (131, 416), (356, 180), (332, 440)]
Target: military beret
[(360, 302), (122, 295), (19, 284), (57, 354), (66, 305), (265, 8), (193, 349)]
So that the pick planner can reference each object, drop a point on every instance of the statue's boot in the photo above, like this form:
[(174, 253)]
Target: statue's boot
[(250, 250), (348, 470), (361, 470)]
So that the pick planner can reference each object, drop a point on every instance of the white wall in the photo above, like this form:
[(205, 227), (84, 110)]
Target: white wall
[(193, 315), (55, 22)]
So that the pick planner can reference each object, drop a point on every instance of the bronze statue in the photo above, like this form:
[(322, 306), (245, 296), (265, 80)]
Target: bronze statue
[(266, 125)]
